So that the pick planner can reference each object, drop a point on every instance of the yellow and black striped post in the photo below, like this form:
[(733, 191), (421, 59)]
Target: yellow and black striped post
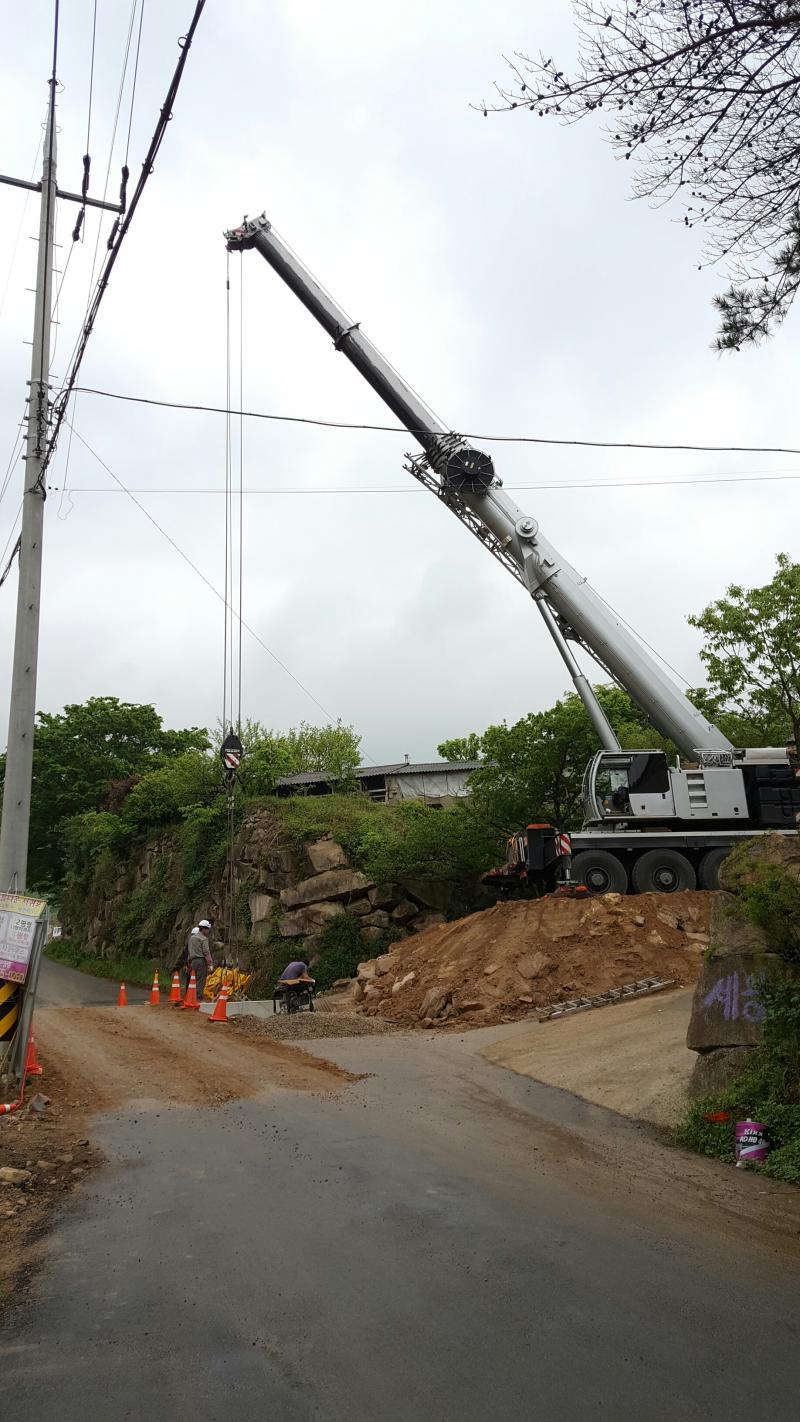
[(10, 996)]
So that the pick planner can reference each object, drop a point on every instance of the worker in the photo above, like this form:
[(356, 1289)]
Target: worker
[(296, 973), (182, 965), (199, 954)]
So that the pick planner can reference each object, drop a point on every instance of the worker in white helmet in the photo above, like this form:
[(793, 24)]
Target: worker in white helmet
[(199, 955)]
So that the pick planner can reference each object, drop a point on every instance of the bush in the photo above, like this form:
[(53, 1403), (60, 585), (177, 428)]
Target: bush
[(125, 970), (164, 796), (341, 951)]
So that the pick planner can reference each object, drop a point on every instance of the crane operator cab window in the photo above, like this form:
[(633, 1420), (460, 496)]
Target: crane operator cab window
[(634, 785)]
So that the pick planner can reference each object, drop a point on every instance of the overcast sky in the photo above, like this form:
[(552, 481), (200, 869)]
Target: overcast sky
[(498, 263)]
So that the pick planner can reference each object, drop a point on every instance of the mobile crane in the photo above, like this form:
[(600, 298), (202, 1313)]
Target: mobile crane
[(648, 825)]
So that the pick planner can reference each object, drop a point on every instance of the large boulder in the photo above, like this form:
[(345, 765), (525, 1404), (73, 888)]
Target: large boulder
[(746, 864), (307, 920), (726, 1008), (385, 896), (714, 1071), (332, 884), (260, 907), (326, 854), (732, 932)]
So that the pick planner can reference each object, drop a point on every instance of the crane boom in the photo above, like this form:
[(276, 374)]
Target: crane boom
[(464, 478)]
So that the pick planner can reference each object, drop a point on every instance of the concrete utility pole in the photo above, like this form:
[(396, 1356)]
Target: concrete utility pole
[(19, 756)]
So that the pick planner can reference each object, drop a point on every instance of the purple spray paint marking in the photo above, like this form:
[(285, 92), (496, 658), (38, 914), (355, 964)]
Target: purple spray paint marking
[(737, 995)]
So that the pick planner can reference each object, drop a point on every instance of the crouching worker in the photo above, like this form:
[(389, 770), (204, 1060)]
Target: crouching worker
[(296, 973)]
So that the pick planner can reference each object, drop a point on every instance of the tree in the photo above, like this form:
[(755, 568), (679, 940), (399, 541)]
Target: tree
[(752, 652), (77, 753), (461, 747), (706, 100), (332, 750), (534, 769)]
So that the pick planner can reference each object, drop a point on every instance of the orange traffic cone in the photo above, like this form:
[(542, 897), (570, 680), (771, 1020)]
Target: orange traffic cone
[(190, 999), (175, 991), (155, 995), (122, 999), (220, 1013), (33, 1066)]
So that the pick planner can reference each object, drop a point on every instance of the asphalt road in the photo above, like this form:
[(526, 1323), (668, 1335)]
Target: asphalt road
[(441, 1240), (60, 986)]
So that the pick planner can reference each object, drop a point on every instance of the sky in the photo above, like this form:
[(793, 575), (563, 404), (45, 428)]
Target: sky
[(498, 263)]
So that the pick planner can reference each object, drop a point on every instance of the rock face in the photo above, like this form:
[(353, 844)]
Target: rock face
[(714, 1071), (726, 1008), (331, 884), (326, 854)]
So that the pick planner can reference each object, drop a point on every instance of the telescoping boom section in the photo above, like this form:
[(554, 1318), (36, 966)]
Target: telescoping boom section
[(464, 479)]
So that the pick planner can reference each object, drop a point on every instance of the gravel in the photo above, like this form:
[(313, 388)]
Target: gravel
[(305, 1026)]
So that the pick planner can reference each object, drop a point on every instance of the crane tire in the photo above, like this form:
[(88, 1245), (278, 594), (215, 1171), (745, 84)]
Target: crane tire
[(663, 871), (710, 865), (601, 872)]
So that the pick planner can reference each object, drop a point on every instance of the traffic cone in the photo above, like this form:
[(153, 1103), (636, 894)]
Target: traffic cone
[(33, 1066), (220, 1013), (122, 999), (155, 996), (175, 991), (190, 999)]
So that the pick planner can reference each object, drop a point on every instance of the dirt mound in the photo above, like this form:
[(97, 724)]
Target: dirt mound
[(500, 964)]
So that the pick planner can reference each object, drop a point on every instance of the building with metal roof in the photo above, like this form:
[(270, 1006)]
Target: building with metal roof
[(435, 782)]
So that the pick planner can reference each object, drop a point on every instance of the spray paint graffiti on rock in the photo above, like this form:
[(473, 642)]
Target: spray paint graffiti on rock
[(737, 996)]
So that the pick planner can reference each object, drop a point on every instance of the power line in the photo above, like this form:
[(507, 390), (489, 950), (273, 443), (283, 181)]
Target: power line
[(123, 487), (133, 85), (118, 236), (697, 481), (401, 429)]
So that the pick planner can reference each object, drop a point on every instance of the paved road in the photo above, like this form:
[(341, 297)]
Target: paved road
[(441, 1240), (60, 986)]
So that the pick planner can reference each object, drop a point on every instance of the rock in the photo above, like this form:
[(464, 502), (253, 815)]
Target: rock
[(379, 918), (332, 884), (38, 1102), (474, 1005), (747, 864), (45, 1165), (10, 1176), (326, 854), (726, 1009), (671, 919), (523, 997), (387, 962), (491, 968), (359, 907), (273, 880), (372, 935), (260, 907), (434, 1003), (366, 971), (531, 965), (611, 900), (714, 1071), (405, 910), (639, 920), (731, 931), (340, 983), (427, 920), (385, 896), (655, 938), (307, 920), (357, 991), (404, 982)]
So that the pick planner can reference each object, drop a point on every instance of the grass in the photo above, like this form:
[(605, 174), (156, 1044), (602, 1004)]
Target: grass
[(123, 970)]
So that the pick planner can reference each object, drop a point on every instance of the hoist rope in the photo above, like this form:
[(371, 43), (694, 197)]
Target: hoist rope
[(233, 564)]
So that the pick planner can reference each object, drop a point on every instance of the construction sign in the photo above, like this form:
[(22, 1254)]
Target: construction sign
[(20, 917)]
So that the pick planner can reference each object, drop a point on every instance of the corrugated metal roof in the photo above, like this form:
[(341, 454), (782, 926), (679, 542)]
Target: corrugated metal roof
[(368, 772)]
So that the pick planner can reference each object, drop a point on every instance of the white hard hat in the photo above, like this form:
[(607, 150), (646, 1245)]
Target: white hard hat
[(204, 923), (194, 930)]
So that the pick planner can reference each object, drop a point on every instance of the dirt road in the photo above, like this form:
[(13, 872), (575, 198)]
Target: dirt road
[(631, 1057)]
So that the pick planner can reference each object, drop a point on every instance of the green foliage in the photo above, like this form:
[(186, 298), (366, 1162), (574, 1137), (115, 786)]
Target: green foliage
[(125, 969), (750, 653), (145, 916), (341, 951), (770, 896), (166, 795), (768, 1090), (536, 766), (417, 842), (77, 754), (203, 842), (269, 755), (461, 747)]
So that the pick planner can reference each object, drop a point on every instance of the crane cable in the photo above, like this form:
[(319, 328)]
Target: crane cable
[(231, 655)]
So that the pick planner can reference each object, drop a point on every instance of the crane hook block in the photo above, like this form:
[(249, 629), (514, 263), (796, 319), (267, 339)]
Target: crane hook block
[(469, 469)]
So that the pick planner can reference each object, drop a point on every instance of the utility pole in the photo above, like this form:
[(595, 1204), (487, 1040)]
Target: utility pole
[(19, 756)]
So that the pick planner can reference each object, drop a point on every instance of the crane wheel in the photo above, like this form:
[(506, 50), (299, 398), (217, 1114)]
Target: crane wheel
[(600, 872), (710, 865), (663, 871)]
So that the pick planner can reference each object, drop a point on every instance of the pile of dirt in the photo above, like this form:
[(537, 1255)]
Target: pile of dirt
[(499, 965)]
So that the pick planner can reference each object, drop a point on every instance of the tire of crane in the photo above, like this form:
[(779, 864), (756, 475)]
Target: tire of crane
[(709, 867), (600, 871), (663, 871)]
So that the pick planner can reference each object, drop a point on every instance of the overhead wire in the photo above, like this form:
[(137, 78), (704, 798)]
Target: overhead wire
[(195, 569), (133, 85), (698, 481), (401, 429)]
